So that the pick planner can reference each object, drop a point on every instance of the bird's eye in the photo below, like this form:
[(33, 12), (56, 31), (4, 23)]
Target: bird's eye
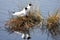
[(30, 4), (25, 8)]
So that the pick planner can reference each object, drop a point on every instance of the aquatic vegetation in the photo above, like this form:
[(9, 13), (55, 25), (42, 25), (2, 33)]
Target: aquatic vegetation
[(53, 24), (24, 23)]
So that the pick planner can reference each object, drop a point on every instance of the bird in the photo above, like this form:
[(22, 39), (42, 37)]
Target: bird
[(29, 7), (24, 11), (21, 13)]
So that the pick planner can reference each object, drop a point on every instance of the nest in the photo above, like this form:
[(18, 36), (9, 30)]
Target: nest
[(24, 23), (53, 24)]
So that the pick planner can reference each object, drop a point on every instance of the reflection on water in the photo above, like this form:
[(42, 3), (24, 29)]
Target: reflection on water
[(45, 6)]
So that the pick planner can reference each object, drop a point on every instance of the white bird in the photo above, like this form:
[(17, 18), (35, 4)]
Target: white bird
[(21, 13), (29, 7)]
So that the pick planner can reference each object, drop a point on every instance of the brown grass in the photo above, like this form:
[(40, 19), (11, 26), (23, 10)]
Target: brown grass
[(53, 24), (22, 24)]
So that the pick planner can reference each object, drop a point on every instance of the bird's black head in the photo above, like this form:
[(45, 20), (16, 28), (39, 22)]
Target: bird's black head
[(30, 4), (25, 8)]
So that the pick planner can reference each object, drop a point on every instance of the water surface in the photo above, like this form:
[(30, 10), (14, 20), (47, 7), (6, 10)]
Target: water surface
[(45, 7)]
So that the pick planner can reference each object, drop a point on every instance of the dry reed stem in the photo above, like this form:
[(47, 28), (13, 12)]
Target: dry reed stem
[(53, 24)]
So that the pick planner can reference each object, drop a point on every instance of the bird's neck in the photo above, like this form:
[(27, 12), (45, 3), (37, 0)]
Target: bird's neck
[(29, 6), (24, 10)]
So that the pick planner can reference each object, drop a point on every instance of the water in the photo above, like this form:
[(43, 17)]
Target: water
[(45, 7)]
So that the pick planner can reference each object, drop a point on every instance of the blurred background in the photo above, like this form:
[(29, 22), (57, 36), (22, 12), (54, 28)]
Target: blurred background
[(45, 6)]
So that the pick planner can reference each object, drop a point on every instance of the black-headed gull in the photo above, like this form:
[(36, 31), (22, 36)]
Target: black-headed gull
[(21, 13)]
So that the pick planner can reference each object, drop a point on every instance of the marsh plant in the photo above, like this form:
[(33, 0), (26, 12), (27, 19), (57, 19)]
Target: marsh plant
[(53, 24), (34, 20), (24, 24)]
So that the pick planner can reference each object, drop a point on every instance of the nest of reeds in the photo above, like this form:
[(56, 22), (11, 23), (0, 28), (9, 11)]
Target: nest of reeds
[(53, 24), (22, 24)]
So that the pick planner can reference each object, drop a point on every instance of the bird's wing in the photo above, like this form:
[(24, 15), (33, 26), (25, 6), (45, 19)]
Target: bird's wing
[(17, 13)]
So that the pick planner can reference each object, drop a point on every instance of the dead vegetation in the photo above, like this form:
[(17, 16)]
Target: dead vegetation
[(53, 24), (22, 24)]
